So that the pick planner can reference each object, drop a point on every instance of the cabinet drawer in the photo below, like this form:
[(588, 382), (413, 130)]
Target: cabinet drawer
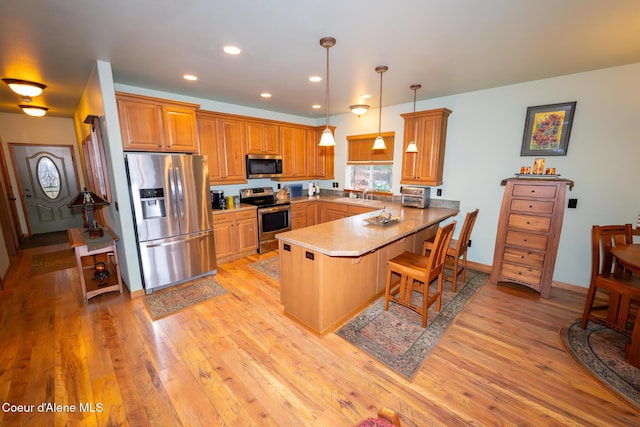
[(533, 206), (544, 191), (338, 207), (298, 223), (299, 211), (251, 214), (519, 273), (526, 240), (219, 218), (529, 222), (520, 256)]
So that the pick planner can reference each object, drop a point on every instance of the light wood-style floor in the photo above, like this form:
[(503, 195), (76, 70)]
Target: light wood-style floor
[(237, 361)]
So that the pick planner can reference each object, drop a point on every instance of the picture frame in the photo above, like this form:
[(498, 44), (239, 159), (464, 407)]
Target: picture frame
[(547, 129)]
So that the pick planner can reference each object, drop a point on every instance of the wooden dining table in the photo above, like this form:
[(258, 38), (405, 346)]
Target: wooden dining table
[(629, 257)]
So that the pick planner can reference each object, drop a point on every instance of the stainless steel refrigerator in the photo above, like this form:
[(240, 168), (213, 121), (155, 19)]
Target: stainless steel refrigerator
[(172, 210)]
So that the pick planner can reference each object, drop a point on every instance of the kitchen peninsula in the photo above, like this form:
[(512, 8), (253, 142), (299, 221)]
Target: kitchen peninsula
[(330, 271)]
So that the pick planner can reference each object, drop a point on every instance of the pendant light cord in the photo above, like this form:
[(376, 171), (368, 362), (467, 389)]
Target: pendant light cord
[(327, 100), (380, 108)]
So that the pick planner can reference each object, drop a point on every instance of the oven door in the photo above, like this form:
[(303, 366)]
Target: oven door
[(271, 221)]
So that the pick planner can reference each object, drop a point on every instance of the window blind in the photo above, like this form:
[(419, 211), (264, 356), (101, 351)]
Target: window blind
[(361, 149)]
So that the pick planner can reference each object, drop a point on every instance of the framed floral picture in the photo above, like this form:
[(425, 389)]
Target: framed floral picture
[(547, 129)]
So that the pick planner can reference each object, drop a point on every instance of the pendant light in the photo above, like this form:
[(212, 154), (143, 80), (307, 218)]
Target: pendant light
[(412, 147), (379, 144), (327, 137)]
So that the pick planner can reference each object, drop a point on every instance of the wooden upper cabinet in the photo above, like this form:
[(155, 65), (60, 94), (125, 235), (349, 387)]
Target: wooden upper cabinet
[(429, 130), (222, 141), (320, 160), (294, 152), (152, 124), (262, 138)]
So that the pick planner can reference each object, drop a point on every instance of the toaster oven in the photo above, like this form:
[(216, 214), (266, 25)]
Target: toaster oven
[(415, 197)]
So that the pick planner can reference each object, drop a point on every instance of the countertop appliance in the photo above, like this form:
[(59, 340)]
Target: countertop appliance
[(217, 198), (415, 197), (172, 211), (264, 166), (274, 215)]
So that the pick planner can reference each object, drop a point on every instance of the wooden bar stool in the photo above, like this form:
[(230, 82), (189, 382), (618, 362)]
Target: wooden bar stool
[(457, 251), (416, 272)]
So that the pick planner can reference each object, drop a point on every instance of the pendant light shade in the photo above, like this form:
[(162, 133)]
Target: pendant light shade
[(412, 147), (379, 144), (327, 139)]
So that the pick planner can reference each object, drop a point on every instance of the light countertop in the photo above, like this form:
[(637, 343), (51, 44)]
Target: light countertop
[(353, 236)]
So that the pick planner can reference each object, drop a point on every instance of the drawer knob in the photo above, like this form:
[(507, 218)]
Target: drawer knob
[(530, 206), (528, 222)]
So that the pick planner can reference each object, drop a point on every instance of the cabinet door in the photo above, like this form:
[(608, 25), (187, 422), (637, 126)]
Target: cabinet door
[(262, 138), (224, 235), (180, 132), (335, 211), (320, 160), (231, 134), (247, 230), (140, 124), (313, 213), (208, 136), (293, 145)]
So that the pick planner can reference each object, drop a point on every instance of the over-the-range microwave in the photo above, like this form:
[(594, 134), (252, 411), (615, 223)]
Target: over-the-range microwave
[(264, 166)]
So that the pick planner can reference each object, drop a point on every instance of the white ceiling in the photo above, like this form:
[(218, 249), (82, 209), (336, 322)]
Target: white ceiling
[(448, 46)]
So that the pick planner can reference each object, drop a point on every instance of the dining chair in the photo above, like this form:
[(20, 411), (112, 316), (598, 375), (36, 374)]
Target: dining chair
[(457, 251), (610, 281), (416, 273)]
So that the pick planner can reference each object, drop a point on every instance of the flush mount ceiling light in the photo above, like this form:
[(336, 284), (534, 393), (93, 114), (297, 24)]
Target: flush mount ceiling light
[(359, 109), (190, 77), (232, 50), (379, 144), (33, 110), (412, 147), (24, 87), (327, 137)]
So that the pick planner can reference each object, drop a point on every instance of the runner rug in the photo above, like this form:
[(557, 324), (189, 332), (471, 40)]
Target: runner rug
[(270, 267), (602, 352), (396, 337), (180, 297)]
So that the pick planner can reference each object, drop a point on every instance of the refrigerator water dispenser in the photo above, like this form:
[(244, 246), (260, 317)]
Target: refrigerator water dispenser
[(153, 203)]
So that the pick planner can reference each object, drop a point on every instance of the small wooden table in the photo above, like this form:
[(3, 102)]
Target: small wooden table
[(629, 257), (88, 253)]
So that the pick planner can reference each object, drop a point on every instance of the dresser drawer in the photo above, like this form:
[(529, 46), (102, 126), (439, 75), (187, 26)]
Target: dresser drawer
[(543, 191), (529, 222), (518, 273), (526, 240), (522, 256), (533, 206)]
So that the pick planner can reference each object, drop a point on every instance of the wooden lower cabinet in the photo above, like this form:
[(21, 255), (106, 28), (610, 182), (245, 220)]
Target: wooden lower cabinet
[(298, 215), (333, 211), (236, 234)]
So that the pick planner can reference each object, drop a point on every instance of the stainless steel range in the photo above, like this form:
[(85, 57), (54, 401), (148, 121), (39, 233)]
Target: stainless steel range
[(274, 216)]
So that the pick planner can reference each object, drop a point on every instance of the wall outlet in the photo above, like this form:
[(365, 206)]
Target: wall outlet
[(573, 203), (439, 192), (469, 245), (278, 186)]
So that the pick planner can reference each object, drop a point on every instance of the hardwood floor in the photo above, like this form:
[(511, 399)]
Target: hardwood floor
[(237, 361)]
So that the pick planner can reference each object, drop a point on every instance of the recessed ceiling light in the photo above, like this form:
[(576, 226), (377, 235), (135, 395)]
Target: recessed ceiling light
[(232, 50), (315, 79), (316, 106), (265, 95), (190, 77)]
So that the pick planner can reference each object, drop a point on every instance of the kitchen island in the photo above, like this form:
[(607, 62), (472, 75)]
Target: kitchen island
[(330, 271)]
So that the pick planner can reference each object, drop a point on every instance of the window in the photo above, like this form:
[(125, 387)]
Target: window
[(49, 177), (369, 169)]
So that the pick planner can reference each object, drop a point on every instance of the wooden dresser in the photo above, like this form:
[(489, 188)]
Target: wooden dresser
[(529, 232)]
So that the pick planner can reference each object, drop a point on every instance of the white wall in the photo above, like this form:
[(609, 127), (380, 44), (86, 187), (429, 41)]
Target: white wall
[(483, 147)]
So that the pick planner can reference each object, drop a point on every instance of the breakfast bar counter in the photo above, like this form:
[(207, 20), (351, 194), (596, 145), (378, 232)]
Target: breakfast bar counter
[(330, 271)]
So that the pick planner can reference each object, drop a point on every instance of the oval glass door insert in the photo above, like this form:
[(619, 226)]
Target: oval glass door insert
[(49, 177)]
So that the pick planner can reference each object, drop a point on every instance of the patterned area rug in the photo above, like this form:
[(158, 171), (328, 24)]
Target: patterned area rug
[(602, 352), (396, 337), (169, 301), (53, 261), (270, 267)]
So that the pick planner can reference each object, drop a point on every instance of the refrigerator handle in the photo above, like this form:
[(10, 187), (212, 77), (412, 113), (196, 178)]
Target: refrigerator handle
[(172, 196), (180, 192)]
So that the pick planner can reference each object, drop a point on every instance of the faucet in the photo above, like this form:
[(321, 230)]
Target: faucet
[(364, 194)]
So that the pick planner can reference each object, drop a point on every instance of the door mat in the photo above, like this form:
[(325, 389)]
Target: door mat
[(602, 353), (53, 261), (270, 267), (180, 297), (396, 337)]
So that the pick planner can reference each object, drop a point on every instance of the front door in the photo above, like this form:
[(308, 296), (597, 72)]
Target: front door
[(47, 178)]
